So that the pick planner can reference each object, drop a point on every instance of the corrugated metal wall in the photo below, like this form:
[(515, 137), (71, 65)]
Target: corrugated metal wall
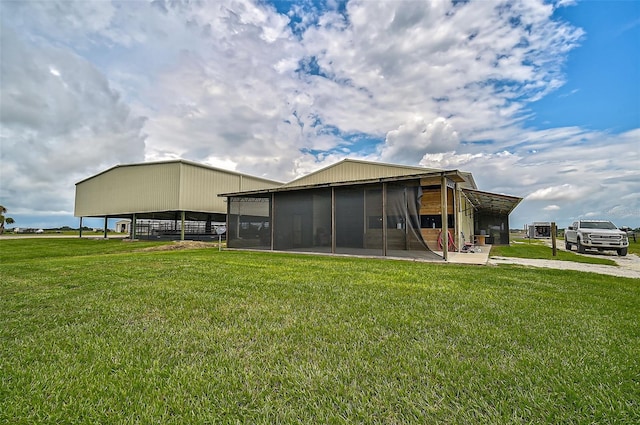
[(129, 189), (170, 186), (199, 187)]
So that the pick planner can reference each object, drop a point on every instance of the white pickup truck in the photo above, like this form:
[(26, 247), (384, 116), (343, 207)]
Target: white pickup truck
[(596, 234)]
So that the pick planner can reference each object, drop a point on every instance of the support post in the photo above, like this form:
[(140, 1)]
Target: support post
[(554, 248), (80, 234), (333, 220), (273, 221), (445, 225), (207, 226), (134, 229), (105, 226), (364, 217), (456, 215), (384, 219), (239, 219), (228, 220), (181, 225), (406, 220)]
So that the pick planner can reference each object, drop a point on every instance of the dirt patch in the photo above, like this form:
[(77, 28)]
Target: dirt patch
[(178, 245)]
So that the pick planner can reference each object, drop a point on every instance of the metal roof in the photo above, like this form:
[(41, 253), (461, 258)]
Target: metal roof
[(181, 161), (494, 202), (453, 175), (353, 170), (358, 170)]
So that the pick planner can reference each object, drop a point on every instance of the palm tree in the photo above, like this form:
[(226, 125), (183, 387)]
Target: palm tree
[(4, 219)]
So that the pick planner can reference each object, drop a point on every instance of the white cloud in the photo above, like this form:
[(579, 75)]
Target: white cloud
[(551, 208), (412, 139), (237, 85), (580, 177), (57, 126), (564, 192), (66, 19)]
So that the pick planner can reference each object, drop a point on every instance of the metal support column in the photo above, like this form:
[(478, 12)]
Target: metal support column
[(384, 219), (406, 219), (273, 220), (182, 225), (445, 222), (456, 216), (228, 221), (333, 220)]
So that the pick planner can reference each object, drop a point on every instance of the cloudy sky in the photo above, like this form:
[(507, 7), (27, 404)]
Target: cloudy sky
[(539, 99)]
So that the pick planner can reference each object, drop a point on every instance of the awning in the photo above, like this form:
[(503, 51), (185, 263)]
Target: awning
[(492, 202)]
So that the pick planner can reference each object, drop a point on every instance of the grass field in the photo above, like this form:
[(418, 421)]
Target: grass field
[(106, 332), (538, 249), (634, 246)]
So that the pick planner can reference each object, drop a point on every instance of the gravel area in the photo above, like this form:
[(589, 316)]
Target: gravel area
[(628, 266)]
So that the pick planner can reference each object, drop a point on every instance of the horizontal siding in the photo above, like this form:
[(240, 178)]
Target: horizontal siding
[(431, 202), (431, 181)]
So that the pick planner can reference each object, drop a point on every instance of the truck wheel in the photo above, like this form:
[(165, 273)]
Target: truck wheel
[(622, 252), (581, 249), (567, 245)]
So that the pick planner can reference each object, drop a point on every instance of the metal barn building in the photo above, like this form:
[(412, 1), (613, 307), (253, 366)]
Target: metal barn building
[(368, 208), (169, 199)]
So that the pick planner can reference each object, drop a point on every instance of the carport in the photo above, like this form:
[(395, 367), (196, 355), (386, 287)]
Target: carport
[(164, 200), (491, 218)]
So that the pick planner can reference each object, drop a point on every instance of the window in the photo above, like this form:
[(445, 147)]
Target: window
[(435, 221)]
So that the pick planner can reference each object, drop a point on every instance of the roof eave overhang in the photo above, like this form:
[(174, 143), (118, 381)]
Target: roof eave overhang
[(159, 215), (180, 161), (493, 202)]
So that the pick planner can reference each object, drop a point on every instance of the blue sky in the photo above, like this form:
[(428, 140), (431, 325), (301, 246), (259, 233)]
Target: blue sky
[(538, 99), (603, 86)]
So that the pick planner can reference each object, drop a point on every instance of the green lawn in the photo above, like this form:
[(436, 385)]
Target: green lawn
[(537, 248), (526, 248), (104, 332), (634, 247)]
